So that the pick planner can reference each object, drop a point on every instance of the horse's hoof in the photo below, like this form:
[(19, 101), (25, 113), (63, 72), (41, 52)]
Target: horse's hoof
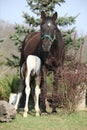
[(54, 112), (37, 114), (25, 114), (44, 113)]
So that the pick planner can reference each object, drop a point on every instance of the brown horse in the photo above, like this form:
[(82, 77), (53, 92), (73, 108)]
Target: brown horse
[(49, 47)]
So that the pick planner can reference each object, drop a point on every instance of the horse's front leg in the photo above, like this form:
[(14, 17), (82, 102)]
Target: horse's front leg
[(43, 88), (37, 93), (55, 89), (27, 92)]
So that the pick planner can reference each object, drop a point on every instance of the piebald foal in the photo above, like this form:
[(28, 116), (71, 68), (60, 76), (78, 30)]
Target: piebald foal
[(33, 65)]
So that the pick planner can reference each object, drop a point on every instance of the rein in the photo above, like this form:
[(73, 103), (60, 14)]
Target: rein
[(48, 36)]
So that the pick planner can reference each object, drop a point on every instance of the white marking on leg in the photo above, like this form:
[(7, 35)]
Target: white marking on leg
[(18, 99), (27, 92), (37, 93)]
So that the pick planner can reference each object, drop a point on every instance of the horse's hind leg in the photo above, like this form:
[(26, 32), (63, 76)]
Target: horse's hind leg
[(27, 92), (37, 93), (18, 99), (21, 87)]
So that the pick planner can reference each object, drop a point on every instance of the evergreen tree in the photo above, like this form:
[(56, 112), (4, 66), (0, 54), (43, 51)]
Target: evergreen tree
[(33, 22)]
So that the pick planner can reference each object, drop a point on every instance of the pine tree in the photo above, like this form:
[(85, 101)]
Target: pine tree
[(36, 6)]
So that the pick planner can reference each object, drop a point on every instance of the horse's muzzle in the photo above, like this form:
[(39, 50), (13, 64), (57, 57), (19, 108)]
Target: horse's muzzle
[(46, 47)]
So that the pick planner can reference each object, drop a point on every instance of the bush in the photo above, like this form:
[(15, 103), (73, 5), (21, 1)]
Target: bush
[(72, 87), (4, 89), (15, 84), (7, 85)]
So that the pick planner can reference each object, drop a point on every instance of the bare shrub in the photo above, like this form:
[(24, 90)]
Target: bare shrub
[(72, 85)]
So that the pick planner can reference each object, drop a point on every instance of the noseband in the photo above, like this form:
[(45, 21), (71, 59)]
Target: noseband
[(49, 37)]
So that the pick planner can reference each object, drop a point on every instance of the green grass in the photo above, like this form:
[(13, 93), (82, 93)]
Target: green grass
[(75, 121)]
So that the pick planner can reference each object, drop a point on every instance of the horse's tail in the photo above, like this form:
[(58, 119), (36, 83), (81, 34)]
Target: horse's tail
[(22, 70)]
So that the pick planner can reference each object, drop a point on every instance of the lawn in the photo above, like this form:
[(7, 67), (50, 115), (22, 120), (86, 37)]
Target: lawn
[(61, 121)]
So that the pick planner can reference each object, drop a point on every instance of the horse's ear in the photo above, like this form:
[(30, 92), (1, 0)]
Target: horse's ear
[(54, 16), (43, 15)]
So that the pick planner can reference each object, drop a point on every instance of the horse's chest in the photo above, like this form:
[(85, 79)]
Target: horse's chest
[(51, 62)]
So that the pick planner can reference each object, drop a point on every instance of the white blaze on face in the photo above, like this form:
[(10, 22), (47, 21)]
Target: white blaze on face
[(49, 24)]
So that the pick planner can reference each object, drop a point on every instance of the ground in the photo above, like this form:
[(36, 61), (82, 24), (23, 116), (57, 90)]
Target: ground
[(61, 121)]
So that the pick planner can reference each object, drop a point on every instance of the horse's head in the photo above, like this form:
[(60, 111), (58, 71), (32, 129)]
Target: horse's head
[(48, 30)]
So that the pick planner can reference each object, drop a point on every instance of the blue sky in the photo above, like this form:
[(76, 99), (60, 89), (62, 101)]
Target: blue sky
[(12, 11)]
